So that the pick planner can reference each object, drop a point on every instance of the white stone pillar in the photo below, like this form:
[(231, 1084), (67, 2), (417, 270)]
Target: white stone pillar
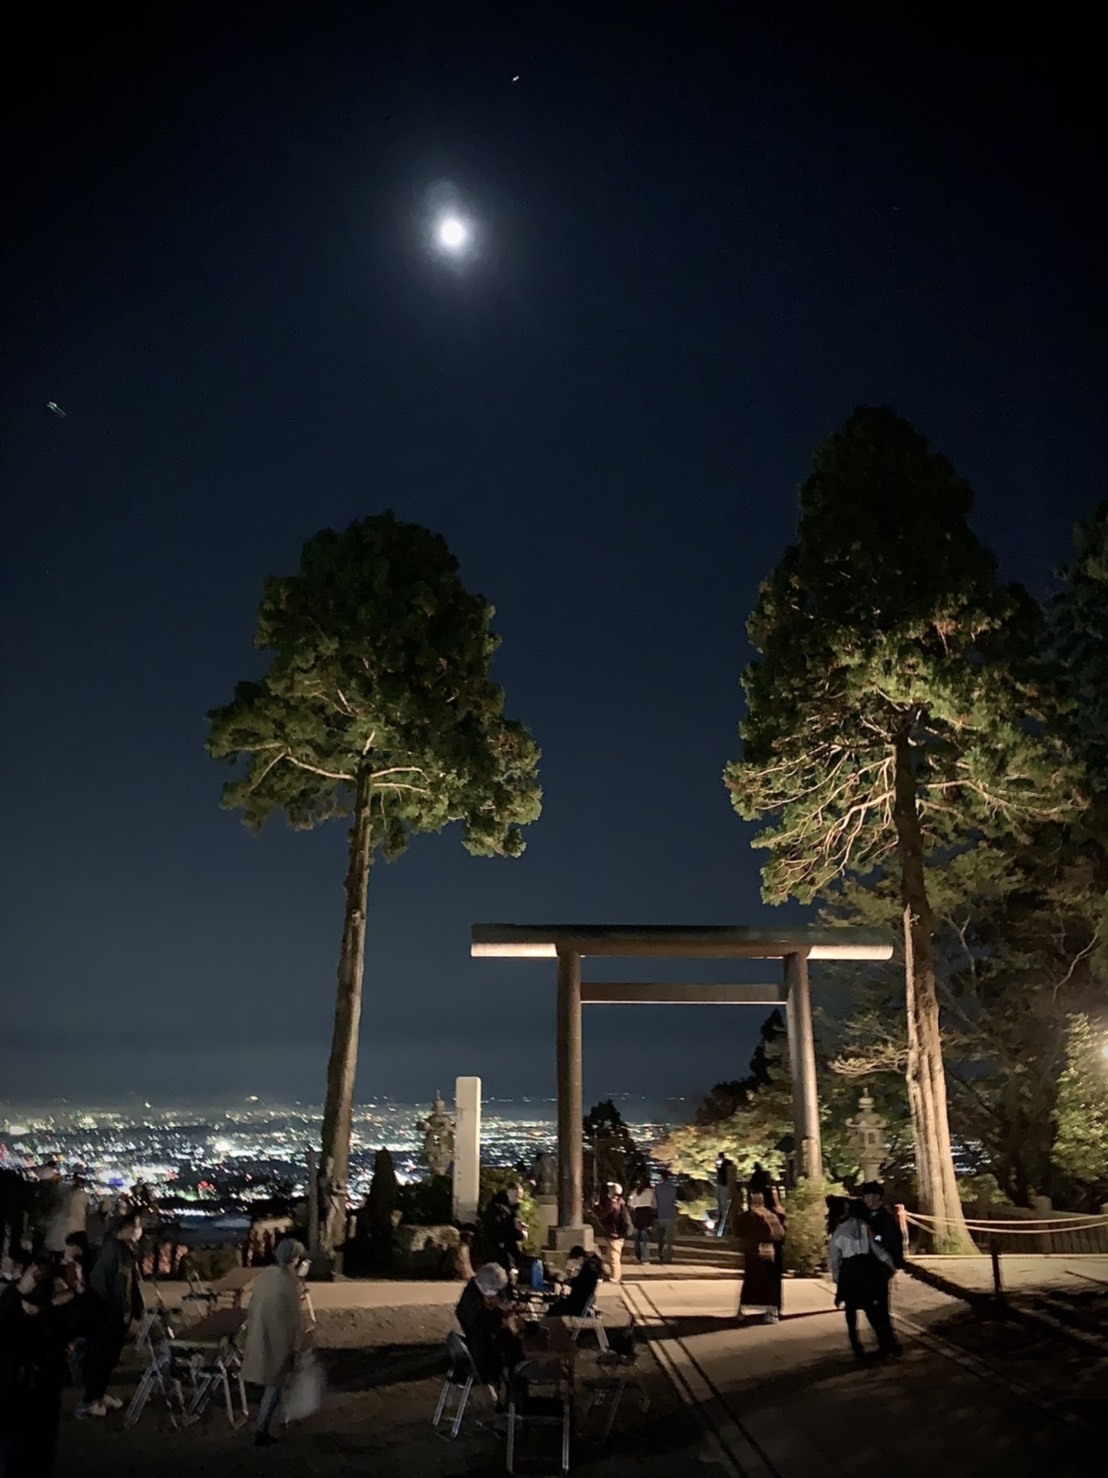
[(467, 1148)]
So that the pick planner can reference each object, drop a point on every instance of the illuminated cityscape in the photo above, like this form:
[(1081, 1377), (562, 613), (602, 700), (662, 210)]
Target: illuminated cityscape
[(251, 1149)]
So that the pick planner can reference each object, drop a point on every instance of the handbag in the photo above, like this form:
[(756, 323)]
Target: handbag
[(304, 1396)]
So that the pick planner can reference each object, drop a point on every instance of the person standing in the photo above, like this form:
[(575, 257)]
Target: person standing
[(643, 1207), (33, 1336), (665, 1200), (859, 1267), (114, 1302), (504, 1231), (725, 1190), (759, 1231), (275, 1332), (887, 1234), (613, 1223)]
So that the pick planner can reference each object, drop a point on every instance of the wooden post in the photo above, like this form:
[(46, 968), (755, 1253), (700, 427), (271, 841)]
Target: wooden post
[(994, 1253), (802, 1066), (571, 1106)]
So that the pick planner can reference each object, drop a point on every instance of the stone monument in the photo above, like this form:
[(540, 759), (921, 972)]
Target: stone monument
[(467, 1149), (438, 1138), (868, 1138)]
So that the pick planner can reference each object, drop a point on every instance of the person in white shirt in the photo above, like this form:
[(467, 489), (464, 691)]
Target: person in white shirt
[(859, 1268), (643, 1206)]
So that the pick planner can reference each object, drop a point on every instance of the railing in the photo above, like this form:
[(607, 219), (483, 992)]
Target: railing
[(1070, 1233)]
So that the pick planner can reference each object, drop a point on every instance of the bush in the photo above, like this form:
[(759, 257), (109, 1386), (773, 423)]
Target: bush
[(427, 1203), (806, 1232)]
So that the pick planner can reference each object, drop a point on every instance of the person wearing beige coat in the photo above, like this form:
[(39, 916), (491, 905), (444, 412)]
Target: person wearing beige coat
[(275, 1332)]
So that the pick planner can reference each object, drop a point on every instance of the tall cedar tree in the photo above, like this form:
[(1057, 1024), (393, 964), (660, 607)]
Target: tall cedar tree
[(377, 704), (891, 720)]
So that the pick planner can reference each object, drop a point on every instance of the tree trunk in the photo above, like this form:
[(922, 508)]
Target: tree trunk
[(926, 1075), (342, 1067)]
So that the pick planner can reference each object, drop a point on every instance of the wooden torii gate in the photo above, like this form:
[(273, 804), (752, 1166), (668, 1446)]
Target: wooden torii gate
[(569, 943)]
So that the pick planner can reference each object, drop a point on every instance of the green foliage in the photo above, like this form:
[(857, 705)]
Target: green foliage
[(806, 1232), (884, 622), (1080, 614), (750, 1119), (427, 1203), (1081, 1115), (611, 1153), (380, 669)]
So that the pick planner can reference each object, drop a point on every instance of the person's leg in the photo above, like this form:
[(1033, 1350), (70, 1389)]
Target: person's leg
[(665, 1233), (271, 1398), (878, 1315), (102, 1356), (616, 1246), (724, 1213), (852, 1328)]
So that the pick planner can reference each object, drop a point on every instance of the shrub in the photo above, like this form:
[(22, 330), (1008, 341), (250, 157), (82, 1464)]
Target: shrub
[(806, 1233), (428, 1203)]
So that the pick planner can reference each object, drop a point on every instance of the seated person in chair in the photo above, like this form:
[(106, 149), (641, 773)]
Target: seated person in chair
[(582, 1285), (486, 1321)]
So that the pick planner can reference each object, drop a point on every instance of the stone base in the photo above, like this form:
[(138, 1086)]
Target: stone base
[(563, 1239)]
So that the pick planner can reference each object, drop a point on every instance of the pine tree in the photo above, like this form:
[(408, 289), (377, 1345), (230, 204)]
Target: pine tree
[(377, 704), (892, 717)]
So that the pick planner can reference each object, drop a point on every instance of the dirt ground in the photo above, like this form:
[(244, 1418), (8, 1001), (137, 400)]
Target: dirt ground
[(384, 1372)]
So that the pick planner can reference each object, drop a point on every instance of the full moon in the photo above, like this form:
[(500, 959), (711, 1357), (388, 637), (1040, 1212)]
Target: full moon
[(453, 233)]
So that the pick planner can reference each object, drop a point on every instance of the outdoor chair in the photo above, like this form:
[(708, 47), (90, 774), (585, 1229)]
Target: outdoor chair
[(615, 1368), (460, 1377), (591, 1318), (540, 1394)]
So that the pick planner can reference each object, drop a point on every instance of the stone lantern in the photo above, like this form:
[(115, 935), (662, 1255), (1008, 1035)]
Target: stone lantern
[(438, 1138), (868, 1138)]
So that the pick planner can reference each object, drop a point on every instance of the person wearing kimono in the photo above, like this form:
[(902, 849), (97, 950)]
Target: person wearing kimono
[(759, 1232)]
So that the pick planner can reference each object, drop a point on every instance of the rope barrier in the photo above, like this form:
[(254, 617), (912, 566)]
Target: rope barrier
[(1012, 1228)]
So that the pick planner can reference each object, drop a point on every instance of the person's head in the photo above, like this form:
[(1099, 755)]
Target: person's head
[(836, 1211), (855, 1209), (512, 1191), (37, 1297), (289, 1253), (666, 1175), (873, 1194), (78, 1181), (491, 1280), (757, 1200), (127, 1227), (614, 1189), (76, 1245)]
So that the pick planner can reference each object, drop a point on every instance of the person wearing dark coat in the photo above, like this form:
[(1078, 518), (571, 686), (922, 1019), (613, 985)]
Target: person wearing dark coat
[(33, 1337), (484, 1317), (504, 1231), (860, 1269), (582, 1286), (114, 1302), (887, 1234)]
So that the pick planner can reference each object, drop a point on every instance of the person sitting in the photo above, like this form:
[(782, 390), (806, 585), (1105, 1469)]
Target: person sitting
[(582, 1285), (485, 1318)]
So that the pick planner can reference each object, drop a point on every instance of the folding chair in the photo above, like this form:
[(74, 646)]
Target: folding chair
[(199, 1292), (206, 1353), (460, 1377), (590, 1318), (540, 1394), (615, 1367)]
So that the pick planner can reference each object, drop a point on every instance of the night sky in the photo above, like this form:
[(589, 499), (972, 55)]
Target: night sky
[(707, 233)]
